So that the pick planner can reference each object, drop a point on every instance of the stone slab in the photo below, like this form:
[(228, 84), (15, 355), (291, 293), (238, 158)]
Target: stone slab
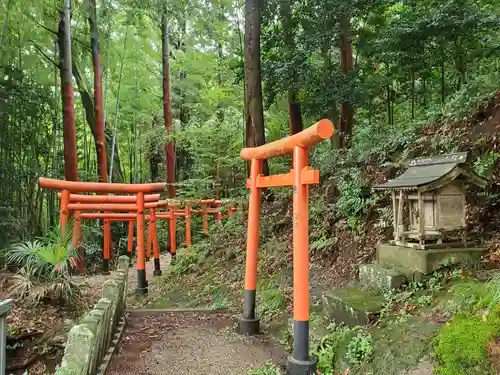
[(380, 277), (352, 306), (427, 261)]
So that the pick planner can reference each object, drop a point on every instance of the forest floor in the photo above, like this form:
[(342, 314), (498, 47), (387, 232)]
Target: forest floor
[(37, 334)]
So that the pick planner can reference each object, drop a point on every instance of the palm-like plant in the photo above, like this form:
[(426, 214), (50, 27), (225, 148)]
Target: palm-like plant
[(44, 271)]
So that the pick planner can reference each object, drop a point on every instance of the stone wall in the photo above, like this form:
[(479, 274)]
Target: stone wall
[(90, 341)]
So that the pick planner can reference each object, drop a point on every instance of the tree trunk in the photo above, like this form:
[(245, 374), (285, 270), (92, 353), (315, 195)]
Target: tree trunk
[(100, 140), (443, 86), (332, 112), (4, 28), (294, 110), (88, 106), (254, 116), (413, 95), (55, 126), (64, 39), (389, 106), (167, 110), (114, 142), (346, 64), (424, 91), (153, 156)]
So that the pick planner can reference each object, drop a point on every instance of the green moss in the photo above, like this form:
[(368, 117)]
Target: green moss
[(399, 346), (360, 300), (461, 345)]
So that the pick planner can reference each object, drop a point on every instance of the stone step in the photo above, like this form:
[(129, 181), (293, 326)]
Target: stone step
[(352, 306), (380, 278)]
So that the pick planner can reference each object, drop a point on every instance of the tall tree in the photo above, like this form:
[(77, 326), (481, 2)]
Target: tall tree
[(69, 133), (347, 66), (167, 108), (254, 111), (100, 139), (289, 28)]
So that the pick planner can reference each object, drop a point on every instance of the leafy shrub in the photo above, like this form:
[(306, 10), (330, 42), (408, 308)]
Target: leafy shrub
[(353, 200), (328, 346), (44, 269), (359, 348), (486, 163), (92, 245), (493, 290), (271, 301), (468, 296)]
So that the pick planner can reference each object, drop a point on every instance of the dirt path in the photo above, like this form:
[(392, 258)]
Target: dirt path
[(188, 344), (96, 282), (185, 343), (132, 274)]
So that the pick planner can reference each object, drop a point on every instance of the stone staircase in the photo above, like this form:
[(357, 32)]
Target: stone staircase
[(395, 266)]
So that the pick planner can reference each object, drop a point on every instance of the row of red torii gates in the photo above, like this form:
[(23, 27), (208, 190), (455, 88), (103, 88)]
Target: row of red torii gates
[(122, 208), (133, 200)]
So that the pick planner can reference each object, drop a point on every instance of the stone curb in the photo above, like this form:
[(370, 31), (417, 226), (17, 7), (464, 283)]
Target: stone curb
[(93, 341)]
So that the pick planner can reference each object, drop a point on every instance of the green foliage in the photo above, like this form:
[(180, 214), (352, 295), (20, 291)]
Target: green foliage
[(328, 347), (492, 298), (45, 256), (268, 369), (485, 164), (271, 298), (468, 296), (461, 345), (353, 200), (359, 349), (92, 245), (190, 259), (44, 269), (14, 346), (353, 345)]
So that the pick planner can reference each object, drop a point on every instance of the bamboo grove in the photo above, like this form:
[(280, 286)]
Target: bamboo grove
[(172, 90)]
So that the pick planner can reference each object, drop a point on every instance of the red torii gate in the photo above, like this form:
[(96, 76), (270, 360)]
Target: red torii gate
[(300, 177), (98, 200), (138, 207)]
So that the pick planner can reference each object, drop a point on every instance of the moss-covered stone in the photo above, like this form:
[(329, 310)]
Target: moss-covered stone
[(352, 306), (379, 277), (78, 352), (397, 348), (426, 261)]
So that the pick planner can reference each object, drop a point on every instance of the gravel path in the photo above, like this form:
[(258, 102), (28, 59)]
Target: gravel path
[(96, 282), (188, 344), (185, 343)]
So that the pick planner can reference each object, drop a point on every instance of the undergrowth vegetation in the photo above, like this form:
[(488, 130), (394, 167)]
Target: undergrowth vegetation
[(461, 346), (44, 269)]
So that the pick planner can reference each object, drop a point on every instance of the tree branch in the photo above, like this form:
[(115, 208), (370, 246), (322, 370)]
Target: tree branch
[(39, 49), (42, 25)]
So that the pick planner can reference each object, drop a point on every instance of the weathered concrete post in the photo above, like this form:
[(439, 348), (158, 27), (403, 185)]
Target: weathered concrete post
[(5, 307), (78, 351), (111, 292)]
